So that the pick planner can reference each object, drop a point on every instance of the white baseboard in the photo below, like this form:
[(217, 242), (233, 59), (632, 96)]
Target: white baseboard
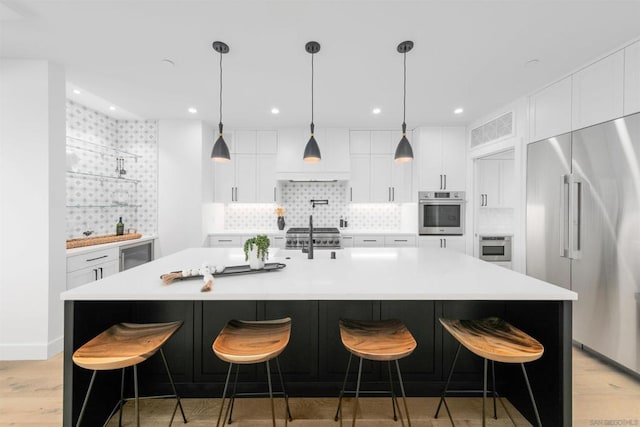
[(31, 351)]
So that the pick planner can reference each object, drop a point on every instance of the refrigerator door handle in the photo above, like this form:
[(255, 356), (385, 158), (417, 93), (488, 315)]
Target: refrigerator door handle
[(564, 215), (575, 230)]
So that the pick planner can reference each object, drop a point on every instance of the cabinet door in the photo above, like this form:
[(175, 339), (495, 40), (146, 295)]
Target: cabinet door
[(400, 240), (335, 151), (381, 165), (360, 184), (108, 269), (368, 241), (266, 179), (81, 277), (597, 94), (246, 178), (431, 242), (245, 142), (226, 241), (429, 148), (359, 142), (454, 158), (550, 110), (489, 183), (224, 181), (277, 241), (456, 243), (267, 142), (347, 241), (632, 79), (508, 195), (402, 182), (381, 142)]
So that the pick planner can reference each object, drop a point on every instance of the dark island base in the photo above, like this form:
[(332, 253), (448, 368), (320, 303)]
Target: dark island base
[(315, 361)]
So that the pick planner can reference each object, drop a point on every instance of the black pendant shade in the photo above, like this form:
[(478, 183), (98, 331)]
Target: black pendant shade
[(220, 152), (312, 150), (404, 152)]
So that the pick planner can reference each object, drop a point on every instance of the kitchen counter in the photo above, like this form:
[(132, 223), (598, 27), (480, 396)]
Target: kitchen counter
[(355, 274), (415, 285)]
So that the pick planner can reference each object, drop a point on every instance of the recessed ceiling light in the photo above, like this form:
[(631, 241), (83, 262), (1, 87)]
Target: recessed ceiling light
[(76, 91), (112, 108), (531, 63), (376, 111), (458, 111), (275, 111), (192, 110)]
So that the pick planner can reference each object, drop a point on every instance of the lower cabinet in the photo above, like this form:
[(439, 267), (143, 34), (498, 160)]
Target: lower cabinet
[(378, 240), (90, 266), (454, 243)]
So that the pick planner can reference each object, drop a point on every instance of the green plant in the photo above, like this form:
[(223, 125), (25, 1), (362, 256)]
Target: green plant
[(261, 241)]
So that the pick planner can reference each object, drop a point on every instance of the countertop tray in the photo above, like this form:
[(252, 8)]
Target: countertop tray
[(234, 270)]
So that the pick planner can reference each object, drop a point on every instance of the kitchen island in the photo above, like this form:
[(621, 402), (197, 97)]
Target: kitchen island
[(415, 285)]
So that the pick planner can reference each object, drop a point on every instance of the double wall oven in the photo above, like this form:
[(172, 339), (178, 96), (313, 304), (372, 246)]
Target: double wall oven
[(441, 213)]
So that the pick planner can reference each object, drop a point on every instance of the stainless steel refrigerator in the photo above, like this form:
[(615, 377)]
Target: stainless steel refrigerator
[(583, 230)]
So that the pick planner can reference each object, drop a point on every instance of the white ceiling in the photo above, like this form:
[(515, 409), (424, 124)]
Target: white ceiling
[(468, 54)]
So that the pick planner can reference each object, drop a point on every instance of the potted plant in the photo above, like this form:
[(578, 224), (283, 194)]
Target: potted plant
[(256, 250)]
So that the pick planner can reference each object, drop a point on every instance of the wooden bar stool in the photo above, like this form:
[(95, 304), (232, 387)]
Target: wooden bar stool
[(377, 340), (247, 342), (124, 345), (496, 340)]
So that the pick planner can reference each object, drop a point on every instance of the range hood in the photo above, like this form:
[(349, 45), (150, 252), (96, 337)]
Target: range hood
[(334, 149)]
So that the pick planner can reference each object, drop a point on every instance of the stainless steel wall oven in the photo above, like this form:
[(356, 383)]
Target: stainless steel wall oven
[(441, 212)]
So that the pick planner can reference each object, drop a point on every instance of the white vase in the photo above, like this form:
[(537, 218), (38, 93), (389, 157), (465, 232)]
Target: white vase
[(255, 263)]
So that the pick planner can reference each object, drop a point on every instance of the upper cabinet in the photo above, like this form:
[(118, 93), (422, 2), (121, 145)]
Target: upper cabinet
[(250, 175), (550, 110), (334, 149), (441, 158), (495, 183), (375, 176), (632, 79), (598, 92)]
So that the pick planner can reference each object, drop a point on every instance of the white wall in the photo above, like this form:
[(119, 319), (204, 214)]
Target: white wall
[(185, 184), (32, 211)]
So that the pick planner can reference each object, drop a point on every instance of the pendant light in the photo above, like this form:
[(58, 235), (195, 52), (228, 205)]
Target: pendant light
[(404, 152), (312, 151), (220, 152)]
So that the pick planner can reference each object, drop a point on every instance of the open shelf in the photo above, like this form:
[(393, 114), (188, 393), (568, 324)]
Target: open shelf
[(112, 205), (97, 176), (99, 148)]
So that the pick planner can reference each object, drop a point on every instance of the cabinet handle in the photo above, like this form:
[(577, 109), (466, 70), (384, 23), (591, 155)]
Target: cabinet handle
[(274, 194), (351, 194), (101, 273), (445, 182), (232, 196), (445, 243), (100, 257), (95, 273), (224, 240), (486, 200), (369, 240), (399, 240), (389, 194), (441, 182), (393, 194)]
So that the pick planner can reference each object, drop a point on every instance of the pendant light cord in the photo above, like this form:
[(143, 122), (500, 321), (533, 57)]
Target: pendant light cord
[(404, 90), (312, 72), (220, 89)]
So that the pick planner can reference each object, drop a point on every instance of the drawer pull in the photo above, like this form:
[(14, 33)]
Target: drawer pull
[(94, 259), (225, 240), (369, 240), (399, 240)]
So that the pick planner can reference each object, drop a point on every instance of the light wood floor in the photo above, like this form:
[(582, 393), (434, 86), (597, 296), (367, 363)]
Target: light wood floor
[(31, 395)]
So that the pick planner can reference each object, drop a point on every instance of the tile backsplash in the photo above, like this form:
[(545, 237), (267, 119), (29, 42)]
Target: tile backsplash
[(296, 199), (95, 197)]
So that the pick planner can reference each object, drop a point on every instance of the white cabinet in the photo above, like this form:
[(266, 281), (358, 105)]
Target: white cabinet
[(452, 243), (632, 79), (277, 241), (598, 92), (365, 241), (441, 157), (347, 241), (375, 176), (334, 149), (399, 240), (378, 240), (227, 240), (90, 266), (250, 175), (495, 183), (550, 111)]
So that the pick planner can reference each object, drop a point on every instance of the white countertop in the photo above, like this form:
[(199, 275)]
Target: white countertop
[(356, 274), (85, 249)]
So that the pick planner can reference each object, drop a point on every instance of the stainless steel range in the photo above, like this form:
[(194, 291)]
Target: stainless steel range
[(323, 238)]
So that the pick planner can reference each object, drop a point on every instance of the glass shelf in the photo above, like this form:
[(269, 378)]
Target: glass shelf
[(109, 151), (105, 206), (97, 176)]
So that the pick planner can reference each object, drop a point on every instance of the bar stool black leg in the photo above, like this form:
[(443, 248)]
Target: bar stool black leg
[(284, 391), (493, 375), (135, 393), (533, 401), (355, 403), (404, 396), (233, 394), (273, 411), (446, 388), (344, 385), (224, 395), (121, 399), (175, 392), (484, 392), (86, 398), (393, 393)]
